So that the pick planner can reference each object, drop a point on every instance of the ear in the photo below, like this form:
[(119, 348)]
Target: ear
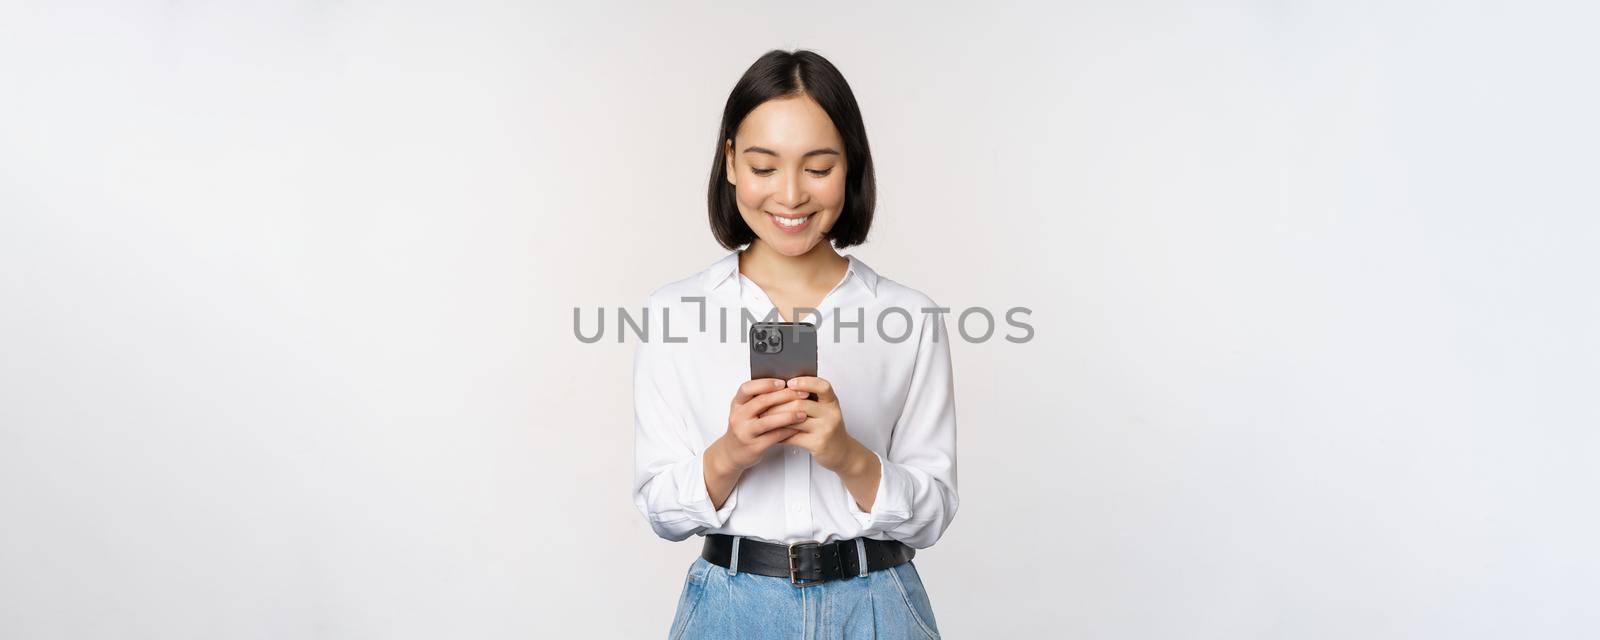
[(727, 155)]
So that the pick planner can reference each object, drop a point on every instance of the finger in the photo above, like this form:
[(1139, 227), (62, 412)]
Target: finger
[(807, 425), (775, 420), (764, 402), (813, 384), (793, 404), (812, 408), (755, 387), (775, 436)]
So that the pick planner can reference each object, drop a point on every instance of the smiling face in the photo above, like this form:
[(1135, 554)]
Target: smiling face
[(787, 166)]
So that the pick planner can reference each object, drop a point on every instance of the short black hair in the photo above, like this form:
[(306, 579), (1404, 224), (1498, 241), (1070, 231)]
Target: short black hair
[(785, 74)]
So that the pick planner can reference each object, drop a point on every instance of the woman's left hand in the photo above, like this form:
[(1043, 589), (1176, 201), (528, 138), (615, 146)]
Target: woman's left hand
[(822, 433)]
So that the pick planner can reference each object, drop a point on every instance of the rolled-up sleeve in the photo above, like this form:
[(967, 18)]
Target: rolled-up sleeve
[(916, 498), (669, 485)]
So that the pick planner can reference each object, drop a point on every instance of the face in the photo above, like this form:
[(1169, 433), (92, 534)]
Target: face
[(786, 163)]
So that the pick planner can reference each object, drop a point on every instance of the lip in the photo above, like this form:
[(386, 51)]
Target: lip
[(795, 229)]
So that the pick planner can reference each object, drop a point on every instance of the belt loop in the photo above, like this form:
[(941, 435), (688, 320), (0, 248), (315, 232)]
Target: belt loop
[(861, 553), (733, 560)]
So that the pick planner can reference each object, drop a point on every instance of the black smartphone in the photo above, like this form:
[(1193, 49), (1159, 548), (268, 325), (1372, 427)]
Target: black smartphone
[(783, 350)]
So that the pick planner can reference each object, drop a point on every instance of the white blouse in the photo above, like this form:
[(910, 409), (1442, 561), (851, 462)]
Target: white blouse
[(892, 377)]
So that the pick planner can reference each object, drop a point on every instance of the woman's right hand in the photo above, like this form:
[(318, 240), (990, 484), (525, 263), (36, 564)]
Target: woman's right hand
[(750, 433)]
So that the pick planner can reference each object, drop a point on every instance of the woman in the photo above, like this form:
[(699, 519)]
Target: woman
[(811, 509)]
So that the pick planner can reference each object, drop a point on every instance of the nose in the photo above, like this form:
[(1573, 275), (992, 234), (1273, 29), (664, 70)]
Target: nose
[(792, 193)]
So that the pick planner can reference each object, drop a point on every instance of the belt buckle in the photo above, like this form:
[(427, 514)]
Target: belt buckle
[(792, 580)]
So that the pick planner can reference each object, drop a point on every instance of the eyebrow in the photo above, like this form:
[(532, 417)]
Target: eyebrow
[(813, 152)]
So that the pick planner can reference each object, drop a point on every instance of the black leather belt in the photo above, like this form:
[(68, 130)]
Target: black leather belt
[(806, 563)]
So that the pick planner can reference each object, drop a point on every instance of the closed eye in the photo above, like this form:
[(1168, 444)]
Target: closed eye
[(816, 172)]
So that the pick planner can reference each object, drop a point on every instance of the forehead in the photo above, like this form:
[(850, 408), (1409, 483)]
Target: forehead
[(790, 126)]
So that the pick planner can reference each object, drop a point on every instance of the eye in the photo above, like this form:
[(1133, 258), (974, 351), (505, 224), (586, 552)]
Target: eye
[(761, 172), (820, 172)]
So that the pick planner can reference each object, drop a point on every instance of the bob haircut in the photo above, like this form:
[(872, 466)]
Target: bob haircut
[(783, 74)]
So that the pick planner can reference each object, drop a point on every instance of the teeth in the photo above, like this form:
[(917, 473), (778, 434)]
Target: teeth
[(791, 222)]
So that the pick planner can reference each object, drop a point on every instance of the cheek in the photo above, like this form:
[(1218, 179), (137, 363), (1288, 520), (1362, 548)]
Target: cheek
[(750, 198), (831, 193), (751, 194)]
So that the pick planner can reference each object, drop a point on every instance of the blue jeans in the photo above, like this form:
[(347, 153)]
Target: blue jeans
[(720, 603)]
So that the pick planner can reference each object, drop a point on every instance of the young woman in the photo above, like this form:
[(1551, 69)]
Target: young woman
[(811, 509)]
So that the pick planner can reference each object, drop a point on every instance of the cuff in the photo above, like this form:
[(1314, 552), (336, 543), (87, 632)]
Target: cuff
[(890, 506), (696, 499)]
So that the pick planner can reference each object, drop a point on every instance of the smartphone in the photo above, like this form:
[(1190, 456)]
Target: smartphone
[(783, 350)]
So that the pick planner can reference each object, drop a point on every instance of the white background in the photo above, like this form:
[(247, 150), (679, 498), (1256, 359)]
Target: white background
[(286, 344)]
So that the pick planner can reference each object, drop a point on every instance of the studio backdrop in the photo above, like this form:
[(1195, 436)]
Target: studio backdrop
[(288, 296)]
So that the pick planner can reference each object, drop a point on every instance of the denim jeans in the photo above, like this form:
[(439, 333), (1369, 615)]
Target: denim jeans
[(721, 603)]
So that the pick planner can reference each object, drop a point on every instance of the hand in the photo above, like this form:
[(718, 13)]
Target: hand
[(753, 423), (823, 432)]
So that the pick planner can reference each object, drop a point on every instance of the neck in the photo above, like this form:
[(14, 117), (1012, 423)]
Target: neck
[(822, 266)]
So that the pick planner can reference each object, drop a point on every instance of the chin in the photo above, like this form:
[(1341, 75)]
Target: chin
[(792, 247)]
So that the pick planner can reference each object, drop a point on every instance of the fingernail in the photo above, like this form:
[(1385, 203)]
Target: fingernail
[(777, 384), (798, 415), (791, 383), (800, 394)]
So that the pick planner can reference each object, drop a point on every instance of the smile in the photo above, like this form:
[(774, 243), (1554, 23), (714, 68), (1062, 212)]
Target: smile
[(791, 224)]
